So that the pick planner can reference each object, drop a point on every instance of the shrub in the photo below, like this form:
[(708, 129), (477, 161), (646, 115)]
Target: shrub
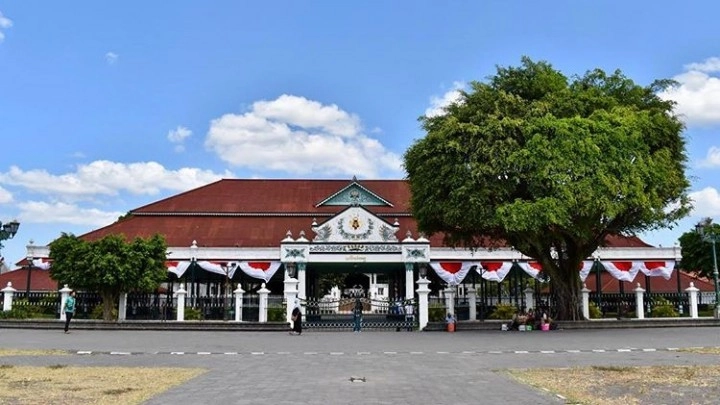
[(192, 314), (436, 312), (276, 313), (595, 312), (97, 312), (503, 311), (21, 309), (663, 309)]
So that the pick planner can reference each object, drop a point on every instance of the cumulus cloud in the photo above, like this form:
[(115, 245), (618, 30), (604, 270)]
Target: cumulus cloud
[(438, 103), (103, 177), (5, 23), (111, 58), (295, 135), (5, 196), (706, 202), (62, 213), (697, 93), (712, 159), (178, 136)]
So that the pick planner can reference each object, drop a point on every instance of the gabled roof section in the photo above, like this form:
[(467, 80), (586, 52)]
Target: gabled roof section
[(354, 194), (355, 224)]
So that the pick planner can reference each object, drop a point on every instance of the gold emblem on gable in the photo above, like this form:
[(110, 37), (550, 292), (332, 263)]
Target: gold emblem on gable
[(355, 223)]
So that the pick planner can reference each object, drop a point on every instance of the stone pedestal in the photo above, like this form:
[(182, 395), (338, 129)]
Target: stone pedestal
[(180, 294), (423, 290), (8, 293), (639, 302), (263, 310), (122, 306), (291, 293), (64, 294), (693, 298), (450, 301), (585, 301), (472, 298), (239, 292)]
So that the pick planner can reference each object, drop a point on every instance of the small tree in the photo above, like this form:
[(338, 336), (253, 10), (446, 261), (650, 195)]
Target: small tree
[(110, 265), (696, 253)]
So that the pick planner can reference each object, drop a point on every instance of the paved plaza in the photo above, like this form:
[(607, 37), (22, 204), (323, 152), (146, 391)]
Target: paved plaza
[(368, 367)]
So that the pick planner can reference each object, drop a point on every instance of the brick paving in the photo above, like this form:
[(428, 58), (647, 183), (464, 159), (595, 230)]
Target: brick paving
[(405, 367)]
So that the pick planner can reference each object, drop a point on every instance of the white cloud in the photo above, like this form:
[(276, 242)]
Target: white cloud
[(706, 202), (300, 136), (697, 93), (5, 196), (5, 23), (103, 177), (178, 136), (712, 159), (41, 212), (438, 103), (111, 58)]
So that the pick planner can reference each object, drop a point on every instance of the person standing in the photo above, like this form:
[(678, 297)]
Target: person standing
[(296, 318), (69, 309), (357, 315)]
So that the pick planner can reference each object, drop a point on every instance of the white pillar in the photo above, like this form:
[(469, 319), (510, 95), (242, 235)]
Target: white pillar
[(472, 297), (409, 294), (122, 306), (529, 298), (180, 294), (238, 303), (423, 291), (639, 302), (64, 294), (8, 293), (585, 301), (301, 289), (291, 293), (263, 294), (450, 300), (693, 292)]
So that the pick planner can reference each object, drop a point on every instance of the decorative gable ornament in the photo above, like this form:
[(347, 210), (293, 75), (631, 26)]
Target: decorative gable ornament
[(354, 194), (355, 224)]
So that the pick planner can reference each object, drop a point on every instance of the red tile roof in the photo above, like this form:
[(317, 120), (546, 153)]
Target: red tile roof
[(39, 280), (258, 213)]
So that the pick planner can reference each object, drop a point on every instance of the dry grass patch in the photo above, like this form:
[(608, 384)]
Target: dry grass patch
[(60, 384), (608, 385), (701, 350), (25, 352)]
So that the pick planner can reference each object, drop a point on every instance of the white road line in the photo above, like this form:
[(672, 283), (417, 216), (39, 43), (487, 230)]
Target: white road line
[(521, 352), (231, 353), (649, 350), (573, 351), (336, 353), (673, 349), (283, 352), (177, 353), (310, 353), (467, 352), (495, 352), (257, 353), (363, 353), (203, 353), (547, 351), (120, 353), (443, 352), (598, 350), (624, 350), (84, 352)]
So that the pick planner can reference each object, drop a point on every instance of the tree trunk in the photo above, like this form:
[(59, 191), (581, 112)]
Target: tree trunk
[(566, 295), (109, 299)]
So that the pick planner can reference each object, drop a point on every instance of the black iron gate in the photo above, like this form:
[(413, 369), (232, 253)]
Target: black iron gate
[(376, 314)]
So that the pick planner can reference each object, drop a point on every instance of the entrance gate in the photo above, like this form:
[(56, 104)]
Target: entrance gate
[(376, 314)]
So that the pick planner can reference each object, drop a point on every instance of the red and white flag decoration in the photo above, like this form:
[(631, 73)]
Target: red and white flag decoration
[(494, 271), (177, 268), (585, 268), (662, 269), (452, 273), (533, 269), (43, 263), (622, 270), (261, 270)]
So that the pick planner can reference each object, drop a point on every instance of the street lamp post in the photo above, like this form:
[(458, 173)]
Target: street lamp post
[(193, 263), (712, 238), (8, 230), (30, 258)]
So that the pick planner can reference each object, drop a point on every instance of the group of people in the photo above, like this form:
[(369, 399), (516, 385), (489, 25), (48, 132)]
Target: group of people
[(538, 320)]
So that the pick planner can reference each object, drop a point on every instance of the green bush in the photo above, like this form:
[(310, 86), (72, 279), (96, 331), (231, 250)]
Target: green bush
[(503, 311), (595, 312), (192, 314), (276, 313), (663, 308), (436, 312), (21, 309), (97, 312)]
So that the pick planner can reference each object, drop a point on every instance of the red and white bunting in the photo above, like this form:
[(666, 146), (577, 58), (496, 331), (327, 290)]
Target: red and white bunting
[(177, 268), (494, 271), (533, 269), (662, 269), (622, 270), (43, 263), (261, 270), (585, 268), (452, 273)]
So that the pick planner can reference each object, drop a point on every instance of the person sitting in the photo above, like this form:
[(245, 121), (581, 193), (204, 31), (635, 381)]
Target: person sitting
[(530, 318), (450, 319)]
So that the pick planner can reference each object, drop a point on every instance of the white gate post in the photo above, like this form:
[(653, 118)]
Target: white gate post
[(450, 300), (8, 293), (639, 302), (301, 281), (263, 310), (529, 298), (472, 294), (423, 291), (64, 294), (693, 292), (409, 294), (291, 293), (238, 303), (122, 306), (585, 301), (180, 294)]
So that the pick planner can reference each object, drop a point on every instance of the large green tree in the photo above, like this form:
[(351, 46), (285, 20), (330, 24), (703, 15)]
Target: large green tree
[(551, 166), (110, 265), (697, 254)]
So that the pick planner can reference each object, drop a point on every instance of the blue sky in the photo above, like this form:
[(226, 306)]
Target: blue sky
[(105, 107)]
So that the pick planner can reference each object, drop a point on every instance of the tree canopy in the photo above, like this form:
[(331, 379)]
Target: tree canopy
[(110, 265), (697, 255), (551, 166)]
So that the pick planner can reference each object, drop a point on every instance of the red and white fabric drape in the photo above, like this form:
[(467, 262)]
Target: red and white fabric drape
[(662, 269), (452, 273), (533, 269), (585, 268), (494, 271), (42, 263), (263, 270), (622, 270)]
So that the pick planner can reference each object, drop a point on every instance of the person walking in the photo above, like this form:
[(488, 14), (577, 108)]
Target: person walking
[(296, 318), (357, 315), (69, 309)]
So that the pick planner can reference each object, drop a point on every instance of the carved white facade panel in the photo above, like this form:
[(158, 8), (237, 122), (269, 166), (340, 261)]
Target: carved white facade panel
[(355, 225)]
